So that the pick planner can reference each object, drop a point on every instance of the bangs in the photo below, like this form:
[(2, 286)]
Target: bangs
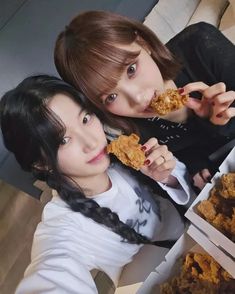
[(49, 130), (101, 73)]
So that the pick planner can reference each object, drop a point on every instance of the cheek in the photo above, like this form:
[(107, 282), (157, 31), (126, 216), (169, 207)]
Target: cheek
[(67, 158), (118, 109), (98, 128)]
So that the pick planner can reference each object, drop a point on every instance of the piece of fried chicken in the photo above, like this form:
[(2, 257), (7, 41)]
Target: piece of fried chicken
[(128, 150), (169, 101)]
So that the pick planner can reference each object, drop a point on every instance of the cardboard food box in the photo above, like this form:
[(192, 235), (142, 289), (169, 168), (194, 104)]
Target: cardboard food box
[(172, 265), (218, 238)]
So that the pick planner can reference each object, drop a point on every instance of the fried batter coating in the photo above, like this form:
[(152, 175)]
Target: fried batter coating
[(222, 223), (207, 209), (200, 274), (169, 101), (215, 198), (209, 267), (219, 209), (128, 150), (228, 186), (233, 225)]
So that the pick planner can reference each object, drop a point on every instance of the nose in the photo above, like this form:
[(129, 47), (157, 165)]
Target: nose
[(89, 142), (133, 93)]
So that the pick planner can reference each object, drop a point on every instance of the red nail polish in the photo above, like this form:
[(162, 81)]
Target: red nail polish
[(219, 115), (213, 103), (181, 90), (143, 148), (147, 162)]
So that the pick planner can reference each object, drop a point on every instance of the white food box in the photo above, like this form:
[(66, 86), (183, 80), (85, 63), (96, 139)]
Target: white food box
[(171, 266), (218, 238)]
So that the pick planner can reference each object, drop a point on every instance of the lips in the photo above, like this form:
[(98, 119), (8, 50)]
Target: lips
[(147, 107), (98, 157)]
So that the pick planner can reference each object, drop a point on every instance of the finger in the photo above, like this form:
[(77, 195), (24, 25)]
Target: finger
[(198, 181), (223, 117), (158, 155), (224, 99), (165, 161), (152, 142), (214, 90), (196, 86), (193, 103), (166, 166), (205, 174)]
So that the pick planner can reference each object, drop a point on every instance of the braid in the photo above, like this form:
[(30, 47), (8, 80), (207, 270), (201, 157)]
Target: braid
[(105, 216), (77, 201)]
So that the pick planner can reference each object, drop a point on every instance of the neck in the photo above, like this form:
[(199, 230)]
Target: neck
[(95, 185)]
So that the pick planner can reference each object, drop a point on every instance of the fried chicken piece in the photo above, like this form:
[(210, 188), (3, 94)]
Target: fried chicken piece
[(232, 225), (128, 150), (207, 210), (228, 186), (222, 223), (215, 198), (200, 274), (209, 267), (169, 101)]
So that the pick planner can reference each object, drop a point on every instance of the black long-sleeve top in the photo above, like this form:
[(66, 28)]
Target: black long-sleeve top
[(208, 56)]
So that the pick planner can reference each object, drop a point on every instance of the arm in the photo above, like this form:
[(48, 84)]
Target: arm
[(56, 273)]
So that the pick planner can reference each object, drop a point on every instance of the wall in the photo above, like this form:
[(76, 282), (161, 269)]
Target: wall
[(28, 30)]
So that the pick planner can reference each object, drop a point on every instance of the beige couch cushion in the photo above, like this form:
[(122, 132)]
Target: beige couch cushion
[(168, 17), (227, 24), (210, 11)]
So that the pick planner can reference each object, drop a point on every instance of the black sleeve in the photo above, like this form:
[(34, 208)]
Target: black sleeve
[(208, 56)]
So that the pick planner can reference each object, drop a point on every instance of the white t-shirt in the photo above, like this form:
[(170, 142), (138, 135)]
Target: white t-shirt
[(68, 245)]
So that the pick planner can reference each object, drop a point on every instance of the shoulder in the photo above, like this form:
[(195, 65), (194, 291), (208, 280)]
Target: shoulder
[(124, 175), (199, 34)]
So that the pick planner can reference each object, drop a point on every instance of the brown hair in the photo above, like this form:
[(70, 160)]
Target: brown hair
[(86, 57)]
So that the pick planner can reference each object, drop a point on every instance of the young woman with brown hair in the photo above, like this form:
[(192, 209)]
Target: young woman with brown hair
[(120, 65)]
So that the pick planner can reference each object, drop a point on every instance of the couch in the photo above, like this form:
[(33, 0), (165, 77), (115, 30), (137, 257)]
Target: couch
[(167, 18)]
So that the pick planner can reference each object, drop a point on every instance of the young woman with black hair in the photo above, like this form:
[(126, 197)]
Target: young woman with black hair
[(100, 214)]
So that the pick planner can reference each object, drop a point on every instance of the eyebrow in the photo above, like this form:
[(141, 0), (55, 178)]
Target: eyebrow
[(81, 110)]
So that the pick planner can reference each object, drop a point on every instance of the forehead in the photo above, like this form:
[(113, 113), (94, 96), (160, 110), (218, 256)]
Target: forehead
[(130, 47), (63, 105)]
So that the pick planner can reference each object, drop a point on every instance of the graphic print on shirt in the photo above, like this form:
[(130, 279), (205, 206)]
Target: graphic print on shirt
[(145, 203)]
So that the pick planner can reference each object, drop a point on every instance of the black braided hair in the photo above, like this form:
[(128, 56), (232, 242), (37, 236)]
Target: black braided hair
[(33, 134)]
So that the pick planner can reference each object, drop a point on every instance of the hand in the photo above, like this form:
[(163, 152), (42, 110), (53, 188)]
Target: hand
[(214, 104), (222, 112), (201, 178), (159, 162)]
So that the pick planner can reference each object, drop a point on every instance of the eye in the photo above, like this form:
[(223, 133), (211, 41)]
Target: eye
[(64, 141), (131, 70), (110, 98), (86, 118)]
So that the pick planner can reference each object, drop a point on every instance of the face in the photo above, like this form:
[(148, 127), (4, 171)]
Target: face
[(81, 154), (136, 87)]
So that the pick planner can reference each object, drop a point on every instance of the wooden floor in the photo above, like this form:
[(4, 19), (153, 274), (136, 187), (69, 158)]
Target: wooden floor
[(19, 216)]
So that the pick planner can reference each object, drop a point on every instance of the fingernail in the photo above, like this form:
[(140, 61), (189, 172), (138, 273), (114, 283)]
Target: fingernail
[(143, 148), (147, 162), (219, 115), (213, 103), (181, 90)]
